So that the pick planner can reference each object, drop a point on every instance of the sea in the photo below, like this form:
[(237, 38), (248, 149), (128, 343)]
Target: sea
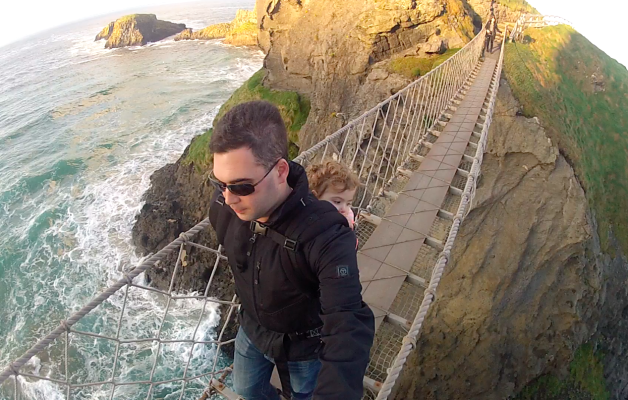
[(82, 129)]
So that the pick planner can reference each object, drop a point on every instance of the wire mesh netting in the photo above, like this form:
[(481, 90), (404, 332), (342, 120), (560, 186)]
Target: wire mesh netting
[(173, 354), (408, 300), (459, 181), (425, 261), (384, 351), (466, 165), (451, 203), (440, 229)]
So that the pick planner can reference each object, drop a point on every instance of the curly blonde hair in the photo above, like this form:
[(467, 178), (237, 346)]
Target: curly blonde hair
[(331, 174)]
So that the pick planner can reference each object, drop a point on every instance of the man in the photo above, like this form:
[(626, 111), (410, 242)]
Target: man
[(301, 303), (491, 31)]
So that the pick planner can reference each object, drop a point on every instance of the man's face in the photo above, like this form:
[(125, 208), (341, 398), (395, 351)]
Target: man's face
[(240, 166)]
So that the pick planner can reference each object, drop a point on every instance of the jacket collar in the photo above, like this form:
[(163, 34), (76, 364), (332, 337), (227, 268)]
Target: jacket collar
[(297, 180)]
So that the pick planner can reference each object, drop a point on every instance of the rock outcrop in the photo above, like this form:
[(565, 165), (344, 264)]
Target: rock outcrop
[(217, 31), (331, 51), (137, 30), (242, 31)]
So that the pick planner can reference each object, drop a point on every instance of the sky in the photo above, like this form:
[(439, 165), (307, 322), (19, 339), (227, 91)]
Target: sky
[(600, 21)]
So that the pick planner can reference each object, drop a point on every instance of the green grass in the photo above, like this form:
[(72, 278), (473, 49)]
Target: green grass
[(247, 27), (552, 78), (518, 5), (129, 17), (587, 372), (199, 154), (293, 107), (585, 380), (413, 67)]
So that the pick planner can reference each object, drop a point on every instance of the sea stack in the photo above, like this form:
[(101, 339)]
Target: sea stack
[(242, 31), (137, 30)]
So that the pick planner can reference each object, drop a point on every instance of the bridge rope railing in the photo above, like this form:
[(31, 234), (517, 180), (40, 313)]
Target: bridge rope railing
[(381, 146)]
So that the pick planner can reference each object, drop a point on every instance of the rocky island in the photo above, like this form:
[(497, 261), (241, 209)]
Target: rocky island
[(137, 30), (242, 31)]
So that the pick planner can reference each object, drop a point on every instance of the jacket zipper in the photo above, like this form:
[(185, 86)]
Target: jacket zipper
[(251, 257)]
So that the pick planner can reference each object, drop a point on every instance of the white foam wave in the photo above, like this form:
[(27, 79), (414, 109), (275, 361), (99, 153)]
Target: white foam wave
[(92, 241), (40, 389), (193, 23)]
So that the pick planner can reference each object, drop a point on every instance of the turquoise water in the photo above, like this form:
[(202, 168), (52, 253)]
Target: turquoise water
[(81, 130)]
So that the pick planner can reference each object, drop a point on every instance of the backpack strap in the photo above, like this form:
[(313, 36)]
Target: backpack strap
[(316, 218), (284, 377), (218, 218)]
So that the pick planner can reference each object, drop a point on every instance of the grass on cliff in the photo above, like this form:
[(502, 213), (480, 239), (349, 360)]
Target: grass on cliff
[(585, 380), (247, 27), (580, 95), (293, 107), (518, 5), (128, 17), (413, 67)]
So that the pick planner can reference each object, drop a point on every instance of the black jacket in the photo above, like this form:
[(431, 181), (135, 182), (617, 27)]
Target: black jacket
[(273, 307), (492, 28)]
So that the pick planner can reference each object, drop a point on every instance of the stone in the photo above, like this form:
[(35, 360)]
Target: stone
[(378, 74), (137, 30), (216, 31), (435, 46), (242, 31)]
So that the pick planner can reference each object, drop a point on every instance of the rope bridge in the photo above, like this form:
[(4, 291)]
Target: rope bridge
[(390, 147)]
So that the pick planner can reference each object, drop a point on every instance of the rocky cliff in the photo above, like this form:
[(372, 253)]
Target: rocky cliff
[(522, 289), (137, 30), (242, 31), (337, 53), (528, 283)]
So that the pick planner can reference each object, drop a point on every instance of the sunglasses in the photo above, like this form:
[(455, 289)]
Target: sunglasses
[(239, 189)]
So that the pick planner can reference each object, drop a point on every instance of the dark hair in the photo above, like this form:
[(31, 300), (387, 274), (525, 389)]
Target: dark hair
[(256, 125)]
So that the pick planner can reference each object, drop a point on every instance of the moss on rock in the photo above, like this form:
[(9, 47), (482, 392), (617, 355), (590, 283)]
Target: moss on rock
[(294, 109), (413, 67), (585, 380)]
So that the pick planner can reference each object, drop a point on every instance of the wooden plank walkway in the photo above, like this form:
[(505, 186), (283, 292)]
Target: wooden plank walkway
[(389, 255)]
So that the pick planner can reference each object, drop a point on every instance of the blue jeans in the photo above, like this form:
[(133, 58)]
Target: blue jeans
[(252, 371)]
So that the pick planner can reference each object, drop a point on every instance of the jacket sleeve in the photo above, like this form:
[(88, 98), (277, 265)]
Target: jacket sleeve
[(348, 323)]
